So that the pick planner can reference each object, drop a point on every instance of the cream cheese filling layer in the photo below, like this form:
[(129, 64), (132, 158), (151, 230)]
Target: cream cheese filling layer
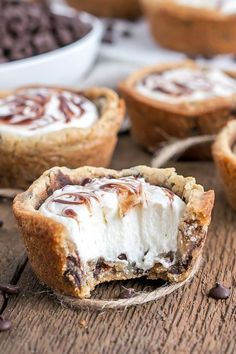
[(125, 219), (225, 6), (186, 85), (42, 110)]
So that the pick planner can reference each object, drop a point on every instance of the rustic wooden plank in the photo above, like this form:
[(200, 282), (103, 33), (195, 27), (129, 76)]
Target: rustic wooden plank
[(12, 254), (186, 321)]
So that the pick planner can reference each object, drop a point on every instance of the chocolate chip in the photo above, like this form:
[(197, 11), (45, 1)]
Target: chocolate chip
[(122, 257), (127, 293), (101, 266), (126, 33), (64, 36), (219, 292), (107, 38), (85, 181), (34, 21), (1, 225), (9, 289), (5, 324), (44, 42), (110, 27)]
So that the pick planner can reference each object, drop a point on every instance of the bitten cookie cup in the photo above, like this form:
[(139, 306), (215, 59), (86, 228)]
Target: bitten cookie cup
[(189, 29), (224, 153), (129, 9), (174, 109), (23, 158), (52, 245)]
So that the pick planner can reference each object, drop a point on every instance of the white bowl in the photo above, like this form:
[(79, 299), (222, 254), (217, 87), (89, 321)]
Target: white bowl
[(63, 66)]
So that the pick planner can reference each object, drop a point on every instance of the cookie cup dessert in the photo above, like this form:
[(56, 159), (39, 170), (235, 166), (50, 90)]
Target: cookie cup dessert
[(224, 152), (200, 27), (129, 9), (91, 225), (177, 101), (41, 127)]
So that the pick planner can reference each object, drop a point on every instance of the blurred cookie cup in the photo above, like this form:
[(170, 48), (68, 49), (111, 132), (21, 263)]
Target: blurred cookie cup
[(200, 27), (224, 152), (178, 101), (41, 127)]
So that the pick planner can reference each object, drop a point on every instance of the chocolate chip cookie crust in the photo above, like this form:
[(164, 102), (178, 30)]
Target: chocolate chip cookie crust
[(54, 258), (225, 159), (155, 121), (23, 159), (190, 29), (109, 8)]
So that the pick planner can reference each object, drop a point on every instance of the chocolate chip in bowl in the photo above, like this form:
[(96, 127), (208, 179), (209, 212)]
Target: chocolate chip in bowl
[(31, 28), (45, 44)]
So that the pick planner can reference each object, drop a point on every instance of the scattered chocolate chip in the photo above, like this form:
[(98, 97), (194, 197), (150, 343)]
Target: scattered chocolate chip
[(126, 33), (108, 38), (9, 289), (127, 293), (1, 223), (110, 27), (122, 257), (5, 324), (219, 292)]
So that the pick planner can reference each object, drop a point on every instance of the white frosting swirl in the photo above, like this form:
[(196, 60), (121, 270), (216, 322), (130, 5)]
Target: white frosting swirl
[(42, 110), (225, 6), (186, 85), (112, 217)]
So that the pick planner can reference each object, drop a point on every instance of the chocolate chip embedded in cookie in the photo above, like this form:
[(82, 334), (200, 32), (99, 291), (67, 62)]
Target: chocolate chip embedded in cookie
[(178, 101), (141, 222), (41, 127)]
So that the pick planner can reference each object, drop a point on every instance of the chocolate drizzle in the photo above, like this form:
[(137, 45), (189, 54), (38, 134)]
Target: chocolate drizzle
[(169, 194), (181, 82), (129, 194), (76, 198), (29, 108)]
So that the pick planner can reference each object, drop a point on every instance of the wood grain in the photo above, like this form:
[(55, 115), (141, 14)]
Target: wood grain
[(186, 321)]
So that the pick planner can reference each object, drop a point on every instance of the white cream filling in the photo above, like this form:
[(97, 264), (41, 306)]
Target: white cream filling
[(41, 110), (225, 6), (146, 231), (187, 85)]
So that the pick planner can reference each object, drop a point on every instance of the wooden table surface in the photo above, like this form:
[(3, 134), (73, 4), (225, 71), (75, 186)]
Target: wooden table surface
[(186, 321)]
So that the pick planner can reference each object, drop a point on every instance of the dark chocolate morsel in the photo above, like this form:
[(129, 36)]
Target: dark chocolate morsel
[(1, 225), (219, 292), (107, 38), (122, 257), (85, 181), (64, 36), (34, 21), (5, 324), (126, 33)]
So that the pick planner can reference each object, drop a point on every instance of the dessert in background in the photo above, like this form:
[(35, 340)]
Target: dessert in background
[(109, 8), (224, 152), (31, 28), (41, 127), (178, 101), (206, 27), (87, 226)]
